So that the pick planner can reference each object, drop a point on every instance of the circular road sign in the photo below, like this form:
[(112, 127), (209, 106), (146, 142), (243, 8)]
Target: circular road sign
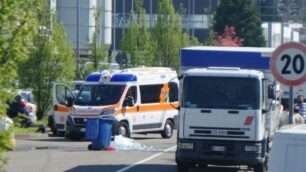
[(288, 63)]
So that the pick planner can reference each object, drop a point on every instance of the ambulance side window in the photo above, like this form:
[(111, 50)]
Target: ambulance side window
[(150, 93), (62, 94), (173, 92), (132, 92)]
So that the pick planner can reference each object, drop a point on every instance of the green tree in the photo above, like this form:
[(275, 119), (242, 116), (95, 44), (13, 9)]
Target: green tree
[(168, 35), (17, 24), (243, 15), (137, 41), (51, 60), (99, 52), (15, 40)]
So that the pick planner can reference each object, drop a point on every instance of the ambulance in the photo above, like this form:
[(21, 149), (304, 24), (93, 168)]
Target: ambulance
[(140, 100)]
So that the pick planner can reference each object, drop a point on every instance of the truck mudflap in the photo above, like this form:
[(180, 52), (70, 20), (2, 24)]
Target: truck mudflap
[(220, 152)]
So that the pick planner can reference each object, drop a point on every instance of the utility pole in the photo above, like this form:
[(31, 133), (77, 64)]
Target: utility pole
[(114, 29), (78, 39)]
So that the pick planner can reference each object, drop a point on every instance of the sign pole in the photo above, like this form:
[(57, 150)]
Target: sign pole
[(291, 105)]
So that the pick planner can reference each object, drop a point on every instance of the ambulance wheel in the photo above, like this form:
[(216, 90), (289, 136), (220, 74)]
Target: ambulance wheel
[(168, 130), (123, 129)]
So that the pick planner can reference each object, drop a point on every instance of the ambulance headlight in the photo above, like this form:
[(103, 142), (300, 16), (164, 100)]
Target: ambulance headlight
[(108, 112)]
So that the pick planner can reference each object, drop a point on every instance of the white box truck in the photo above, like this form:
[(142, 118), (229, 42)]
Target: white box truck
[(289, 149), (228, 107)]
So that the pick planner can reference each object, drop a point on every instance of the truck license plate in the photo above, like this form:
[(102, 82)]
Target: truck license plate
[(219, 132), (218, 148)]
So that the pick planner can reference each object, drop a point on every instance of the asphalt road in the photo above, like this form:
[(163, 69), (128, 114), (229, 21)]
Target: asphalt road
[(147, 153)]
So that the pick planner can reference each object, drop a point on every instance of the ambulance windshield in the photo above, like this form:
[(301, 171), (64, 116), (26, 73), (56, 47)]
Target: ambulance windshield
[(99, 95), (221, 92)]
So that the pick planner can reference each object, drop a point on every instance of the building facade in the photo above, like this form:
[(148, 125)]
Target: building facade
[(78, 18)]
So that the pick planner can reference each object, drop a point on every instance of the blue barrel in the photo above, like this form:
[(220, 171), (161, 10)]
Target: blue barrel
[(92, 129), (99, 131), (105, 132)]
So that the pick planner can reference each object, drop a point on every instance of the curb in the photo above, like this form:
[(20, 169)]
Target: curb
[(30, 136)]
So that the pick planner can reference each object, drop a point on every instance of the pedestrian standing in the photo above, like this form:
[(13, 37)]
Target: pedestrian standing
[(301, 105)]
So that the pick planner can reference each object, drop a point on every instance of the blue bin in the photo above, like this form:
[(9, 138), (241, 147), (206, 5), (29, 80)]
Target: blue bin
[(92, 129), (104, 133)]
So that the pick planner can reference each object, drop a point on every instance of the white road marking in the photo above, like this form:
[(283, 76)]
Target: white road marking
[(147, 159)]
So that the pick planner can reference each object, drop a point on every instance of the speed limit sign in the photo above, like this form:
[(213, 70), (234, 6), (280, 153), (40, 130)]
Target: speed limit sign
[(288, 64)]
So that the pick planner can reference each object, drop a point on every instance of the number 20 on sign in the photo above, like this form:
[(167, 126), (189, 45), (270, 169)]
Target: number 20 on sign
[(288, 64)]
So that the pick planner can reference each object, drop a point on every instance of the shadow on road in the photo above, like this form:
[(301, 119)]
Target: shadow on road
[(151, 168)]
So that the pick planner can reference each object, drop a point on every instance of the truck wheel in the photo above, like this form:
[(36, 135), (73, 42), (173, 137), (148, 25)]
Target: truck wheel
[(123, 129), (89, 147), (182, 167), (168, 130), (260, 168)]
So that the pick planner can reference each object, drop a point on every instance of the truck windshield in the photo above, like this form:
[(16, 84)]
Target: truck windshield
[(99, 95), (221, 92)]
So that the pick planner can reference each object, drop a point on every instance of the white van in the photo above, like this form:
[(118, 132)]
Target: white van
[(288, 149), (141, 100)]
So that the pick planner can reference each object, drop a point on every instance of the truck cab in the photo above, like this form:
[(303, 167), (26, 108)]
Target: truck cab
[(228, 114)]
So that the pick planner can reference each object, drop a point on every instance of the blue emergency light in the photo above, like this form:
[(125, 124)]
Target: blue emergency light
[(123, 78), (94, 77)]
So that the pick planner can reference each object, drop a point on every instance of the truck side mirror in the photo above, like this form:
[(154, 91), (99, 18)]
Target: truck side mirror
[(129, 101), (70, 101), (271, 91)]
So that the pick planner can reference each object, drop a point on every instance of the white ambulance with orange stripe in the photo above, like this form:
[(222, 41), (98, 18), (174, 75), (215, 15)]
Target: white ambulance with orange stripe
[(141, 100)]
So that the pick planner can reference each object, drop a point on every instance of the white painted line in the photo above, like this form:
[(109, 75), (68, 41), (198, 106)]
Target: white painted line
[(147, 159)]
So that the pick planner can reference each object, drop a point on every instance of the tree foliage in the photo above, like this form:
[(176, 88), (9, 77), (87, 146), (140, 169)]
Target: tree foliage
[(17, 25), (169, 35), (243, 15), (51, 60), (137, 40)]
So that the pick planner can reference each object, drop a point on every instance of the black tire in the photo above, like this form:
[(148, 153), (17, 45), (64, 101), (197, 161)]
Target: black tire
[(123, 129), (168, 130), (72, 136), (260, 167), (52, 126), (182, 167), (89, 147), (54, 129), (60, 133)]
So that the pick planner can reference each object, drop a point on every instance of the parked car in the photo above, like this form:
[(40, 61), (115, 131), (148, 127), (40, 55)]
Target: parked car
[(23, 103)]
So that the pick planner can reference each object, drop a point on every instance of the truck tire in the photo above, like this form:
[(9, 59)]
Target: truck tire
[(168, 130), (182, 167), (260, 167), (123, 129)]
